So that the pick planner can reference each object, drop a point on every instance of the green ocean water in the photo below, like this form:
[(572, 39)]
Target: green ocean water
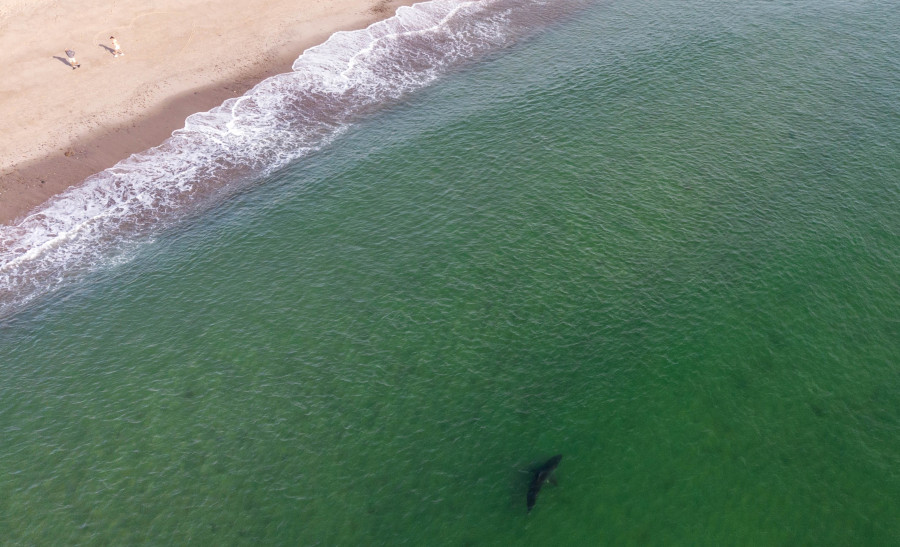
[(661, 239)]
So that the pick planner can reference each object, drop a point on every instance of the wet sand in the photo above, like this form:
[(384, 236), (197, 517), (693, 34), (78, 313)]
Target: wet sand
[(60, 125)]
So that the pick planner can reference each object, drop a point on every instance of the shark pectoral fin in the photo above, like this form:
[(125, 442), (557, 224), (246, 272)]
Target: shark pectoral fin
[(552, 479)]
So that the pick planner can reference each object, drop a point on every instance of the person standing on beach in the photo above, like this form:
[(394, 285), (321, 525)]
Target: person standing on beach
[(70, 55), (117, 49)]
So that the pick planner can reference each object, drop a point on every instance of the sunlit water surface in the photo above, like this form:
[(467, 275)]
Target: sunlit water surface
[(659, 238)]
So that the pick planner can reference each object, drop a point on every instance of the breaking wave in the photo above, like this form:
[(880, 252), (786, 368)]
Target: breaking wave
[(283, 118)]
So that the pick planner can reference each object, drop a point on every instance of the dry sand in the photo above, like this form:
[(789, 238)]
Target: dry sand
[(58, 125)]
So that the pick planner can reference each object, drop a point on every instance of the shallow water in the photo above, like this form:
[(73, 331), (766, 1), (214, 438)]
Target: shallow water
[(661, 240)]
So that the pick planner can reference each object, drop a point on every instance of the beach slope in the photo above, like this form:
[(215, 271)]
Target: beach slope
[(59, 125)]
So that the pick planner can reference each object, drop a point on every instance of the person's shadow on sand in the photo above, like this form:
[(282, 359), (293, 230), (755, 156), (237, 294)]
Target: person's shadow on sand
[(63, 60), (107, 48)]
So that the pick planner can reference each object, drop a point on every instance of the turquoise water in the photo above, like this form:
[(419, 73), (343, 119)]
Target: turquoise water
[(661, 239)]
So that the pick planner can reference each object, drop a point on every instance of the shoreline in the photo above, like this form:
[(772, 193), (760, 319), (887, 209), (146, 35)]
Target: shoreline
[(62, 131)]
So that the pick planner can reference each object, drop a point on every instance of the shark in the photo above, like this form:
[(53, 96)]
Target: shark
[(541, 476)]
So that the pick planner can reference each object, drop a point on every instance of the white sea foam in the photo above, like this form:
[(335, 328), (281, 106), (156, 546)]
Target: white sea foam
[(280, 120)]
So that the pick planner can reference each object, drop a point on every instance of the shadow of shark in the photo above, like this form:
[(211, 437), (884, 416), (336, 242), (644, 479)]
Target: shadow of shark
[(541, 475)]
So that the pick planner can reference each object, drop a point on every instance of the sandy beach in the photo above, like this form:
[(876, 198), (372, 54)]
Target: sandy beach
[(59, 125)]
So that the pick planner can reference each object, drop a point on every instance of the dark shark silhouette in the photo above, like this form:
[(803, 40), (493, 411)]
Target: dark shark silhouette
[(541, 475)]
